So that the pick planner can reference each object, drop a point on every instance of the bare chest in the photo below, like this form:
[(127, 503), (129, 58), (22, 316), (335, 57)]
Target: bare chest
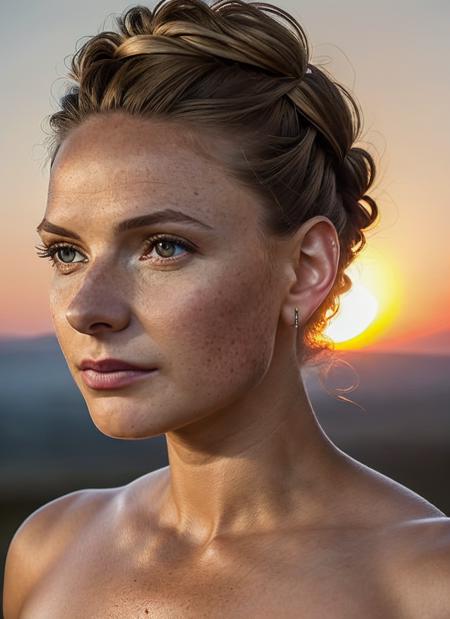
[(301, 578)]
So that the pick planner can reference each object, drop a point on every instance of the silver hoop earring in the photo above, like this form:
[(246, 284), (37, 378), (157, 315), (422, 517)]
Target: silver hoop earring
[(296, 318)]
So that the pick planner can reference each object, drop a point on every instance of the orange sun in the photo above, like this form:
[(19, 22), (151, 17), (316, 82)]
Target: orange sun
[(368, 307)]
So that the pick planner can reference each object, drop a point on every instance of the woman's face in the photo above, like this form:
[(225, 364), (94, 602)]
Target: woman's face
[(204, 315)]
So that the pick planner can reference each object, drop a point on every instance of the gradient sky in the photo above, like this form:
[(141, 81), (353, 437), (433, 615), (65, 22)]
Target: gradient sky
[(394, 56)]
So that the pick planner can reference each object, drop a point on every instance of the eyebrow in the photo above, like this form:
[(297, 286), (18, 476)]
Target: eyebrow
[(129, 224)]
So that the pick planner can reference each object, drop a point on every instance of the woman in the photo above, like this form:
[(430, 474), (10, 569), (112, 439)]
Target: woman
[(205, 199)]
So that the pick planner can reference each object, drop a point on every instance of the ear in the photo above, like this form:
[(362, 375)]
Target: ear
[(314, 260)]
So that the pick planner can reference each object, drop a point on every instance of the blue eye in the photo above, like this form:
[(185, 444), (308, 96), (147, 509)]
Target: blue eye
[(63, 251), (163, 244)]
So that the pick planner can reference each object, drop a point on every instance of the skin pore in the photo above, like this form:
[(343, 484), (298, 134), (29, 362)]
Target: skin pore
[(217, 323)]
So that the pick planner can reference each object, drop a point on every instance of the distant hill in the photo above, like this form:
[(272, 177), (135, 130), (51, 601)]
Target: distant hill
[(433, 344), (47, 439), (12, 343), (49, 446)]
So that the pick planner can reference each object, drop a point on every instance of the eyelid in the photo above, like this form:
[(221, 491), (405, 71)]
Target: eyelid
[(154, 238), (47, 248)]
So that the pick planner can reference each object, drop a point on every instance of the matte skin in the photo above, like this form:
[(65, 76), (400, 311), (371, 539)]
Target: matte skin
[(259, 514)]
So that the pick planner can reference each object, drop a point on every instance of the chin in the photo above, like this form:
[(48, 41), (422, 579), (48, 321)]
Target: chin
[(121, 418), (122, 421)]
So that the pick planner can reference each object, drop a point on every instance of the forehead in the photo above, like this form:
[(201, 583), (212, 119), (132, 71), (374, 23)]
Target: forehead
[(128, 163)]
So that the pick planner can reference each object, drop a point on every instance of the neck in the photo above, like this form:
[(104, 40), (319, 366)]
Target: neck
[(260, 465)]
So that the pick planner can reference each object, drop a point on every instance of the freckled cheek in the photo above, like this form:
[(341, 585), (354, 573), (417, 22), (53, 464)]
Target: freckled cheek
[(222, 330)]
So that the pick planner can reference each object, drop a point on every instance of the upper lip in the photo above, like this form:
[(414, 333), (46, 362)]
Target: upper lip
[(110, 365)]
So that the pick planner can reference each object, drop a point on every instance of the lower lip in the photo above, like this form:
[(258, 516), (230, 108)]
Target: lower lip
[(114, 380)]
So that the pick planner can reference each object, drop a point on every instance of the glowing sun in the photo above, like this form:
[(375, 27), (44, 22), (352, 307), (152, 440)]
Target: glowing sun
[(358, 309)]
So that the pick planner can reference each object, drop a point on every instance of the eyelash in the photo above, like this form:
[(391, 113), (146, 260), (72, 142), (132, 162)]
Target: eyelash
[(50, 251)]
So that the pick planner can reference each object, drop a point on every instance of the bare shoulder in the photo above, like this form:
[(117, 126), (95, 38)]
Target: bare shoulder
[(41, 539), (45, 537), (417, 566), (380, 499), (412, 542)]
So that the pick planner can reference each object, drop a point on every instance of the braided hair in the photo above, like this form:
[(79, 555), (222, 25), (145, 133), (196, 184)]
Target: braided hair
[(241, 69)]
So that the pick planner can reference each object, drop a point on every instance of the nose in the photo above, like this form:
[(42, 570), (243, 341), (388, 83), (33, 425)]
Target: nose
[(99, 305)]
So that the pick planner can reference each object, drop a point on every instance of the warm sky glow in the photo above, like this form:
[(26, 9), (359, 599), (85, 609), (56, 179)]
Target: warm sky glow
[(369, 307), (393, 56), (358, 309)]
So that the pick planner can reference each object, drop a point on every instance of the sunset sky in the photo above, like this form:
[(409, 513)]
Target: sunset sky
[(393, 56)]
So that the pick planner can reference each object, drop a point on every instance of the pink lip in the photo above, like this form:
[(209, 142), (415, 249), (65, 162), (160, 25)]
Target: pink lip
[(112, 373), (110, 365), (113, 380)]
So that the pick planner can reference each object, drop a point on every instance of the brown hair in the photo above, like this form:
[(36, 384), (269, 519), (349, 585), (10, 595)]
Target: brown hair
[(236, 66)]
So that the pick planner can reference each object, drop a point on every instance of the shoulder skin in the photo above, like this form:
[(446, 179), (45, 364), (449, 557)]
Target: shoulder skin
[(40, 540), (418, 568)]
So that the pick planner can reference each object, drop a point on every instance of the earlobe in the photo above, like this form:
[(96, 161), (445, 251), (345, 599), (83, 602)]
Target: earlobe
[(316, 252)]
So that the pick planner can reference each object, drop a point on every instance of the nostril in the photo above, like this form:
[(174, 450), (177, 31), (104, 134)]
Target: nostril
[(100, 326)]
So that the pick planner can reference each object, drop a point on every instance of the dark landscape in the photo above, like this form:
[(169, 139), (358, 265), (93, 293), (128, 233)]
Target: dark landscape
[(49, 446)]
